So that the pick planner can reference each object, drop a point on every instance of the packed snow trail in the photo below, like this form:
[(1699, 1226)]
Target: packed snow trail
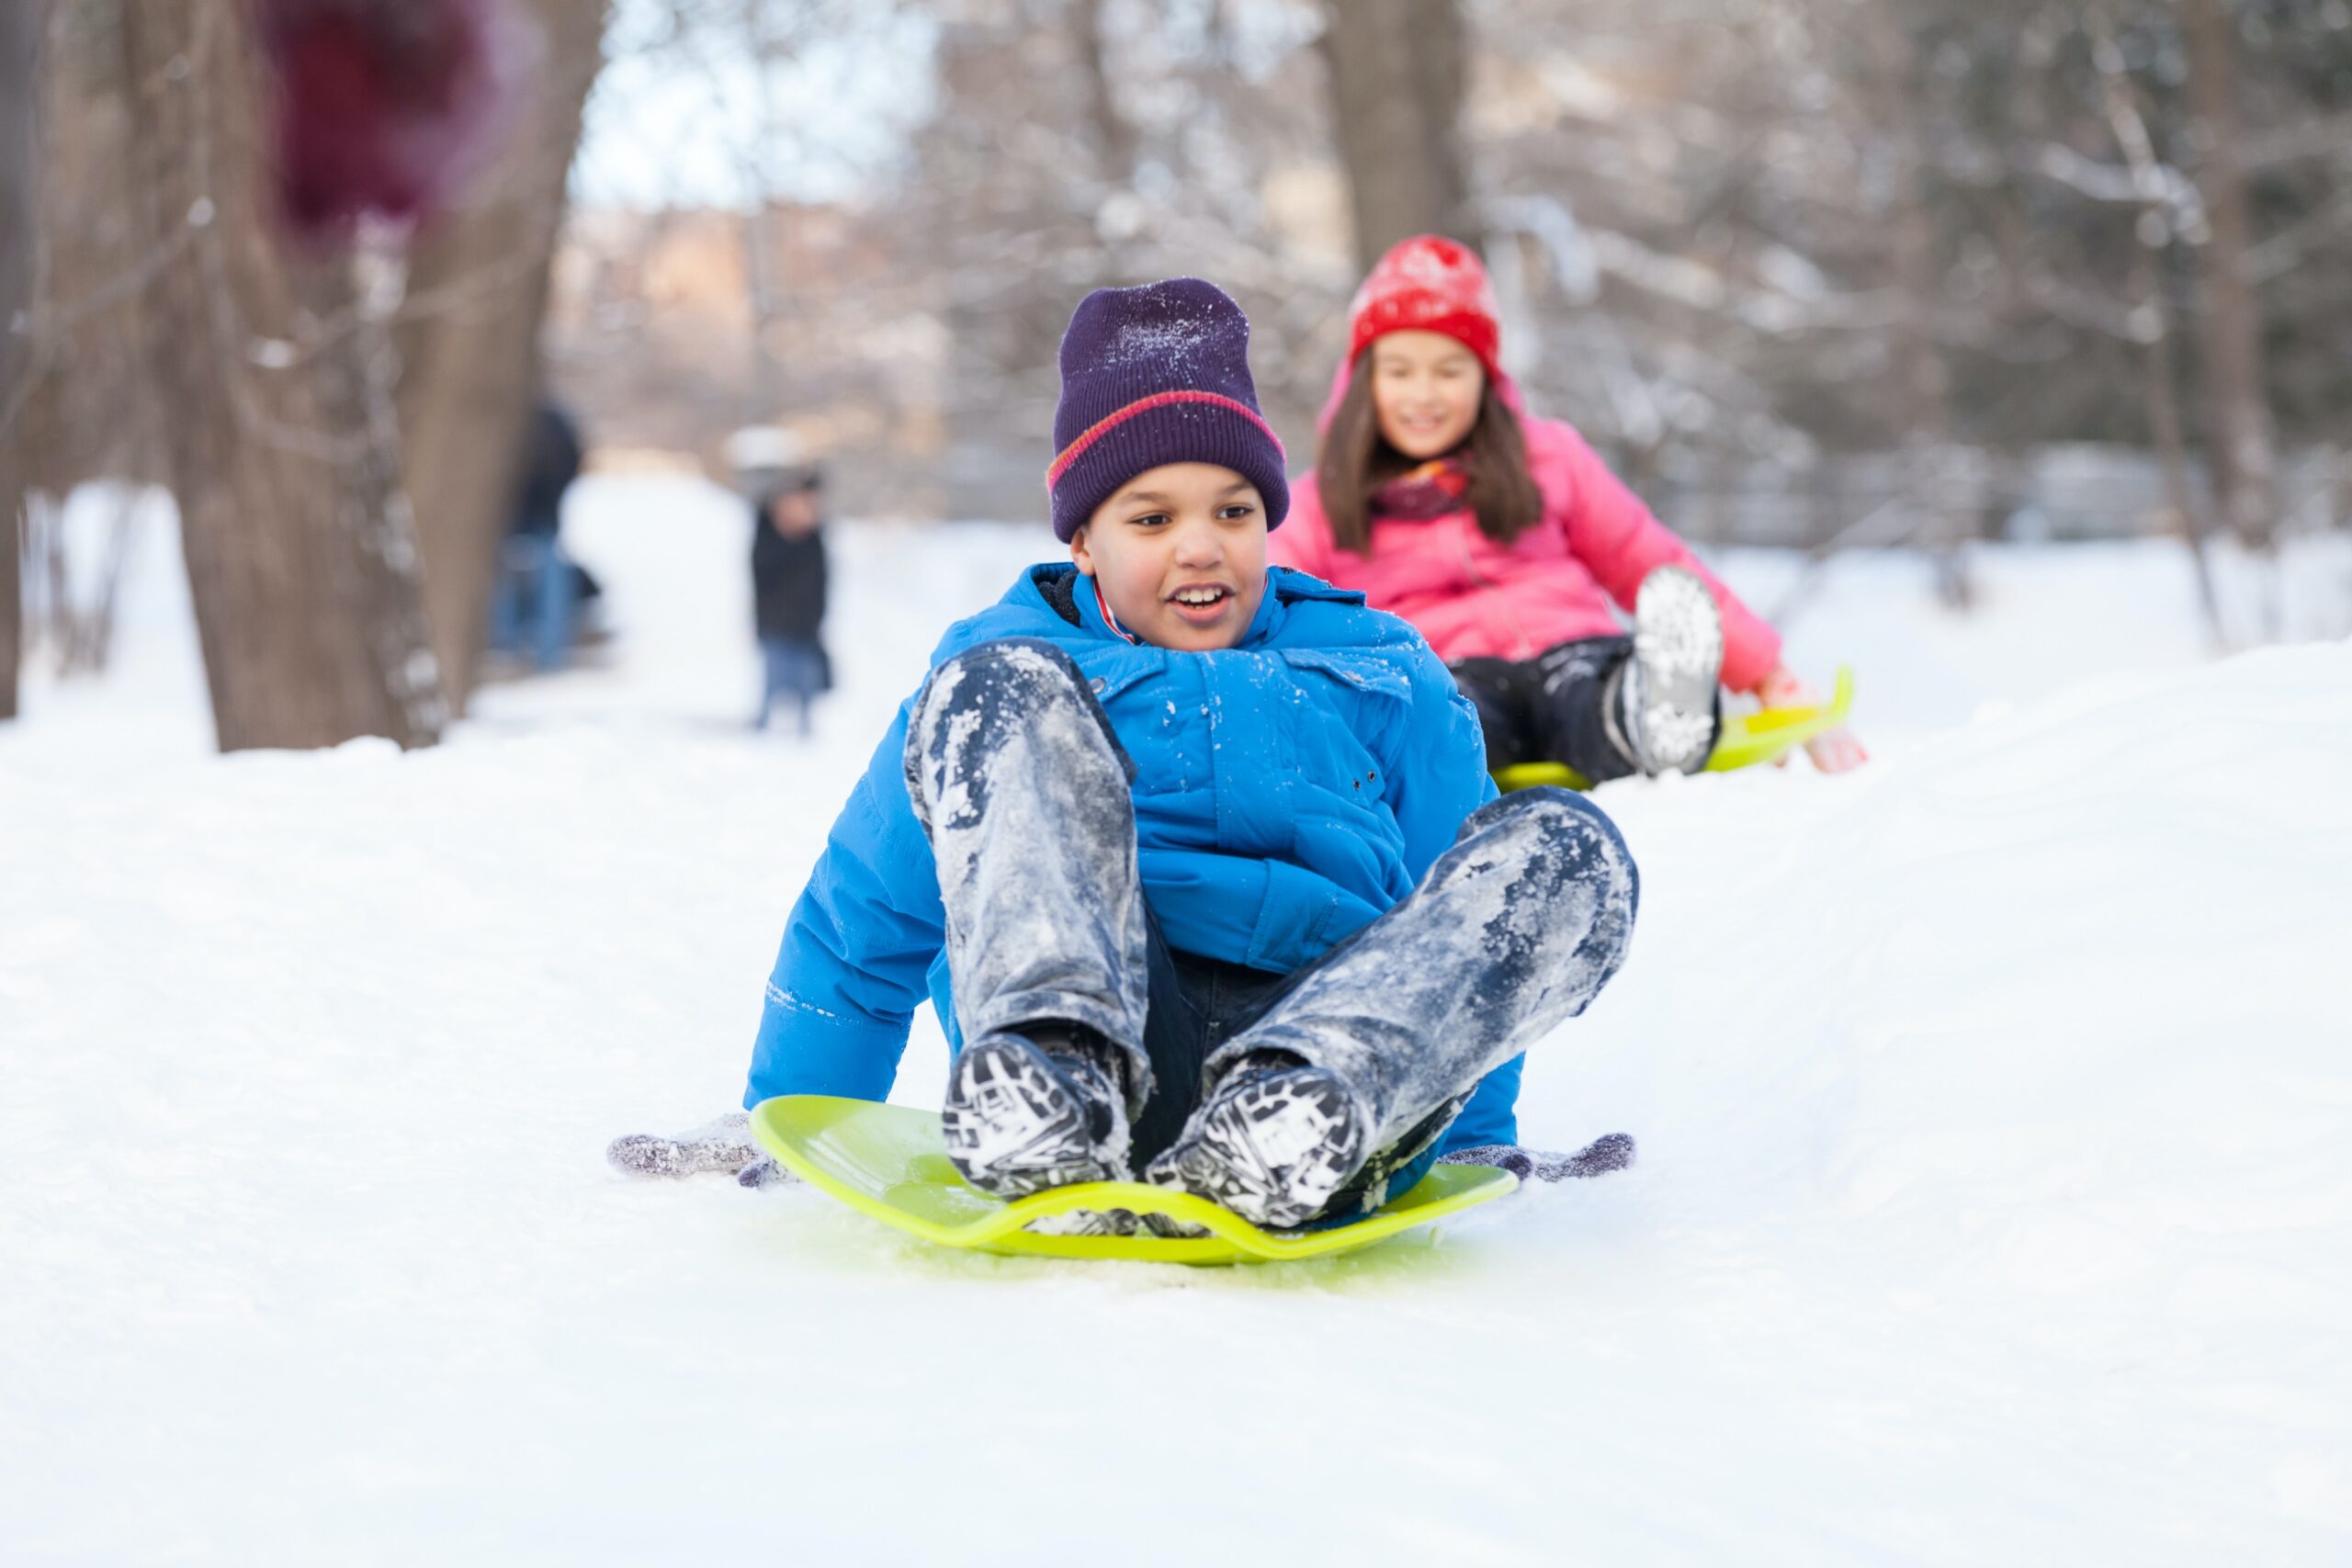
[(1995, 1198)]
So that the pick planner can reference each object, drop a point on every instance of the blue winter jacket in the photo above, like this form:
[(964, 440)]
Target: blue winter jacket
[(1287, 790)]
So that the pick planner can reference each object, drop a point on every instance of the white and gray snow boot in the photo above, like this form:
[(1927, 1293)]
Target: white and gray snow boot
[(1046, 1107), (1665, 712), (1275, 1143)]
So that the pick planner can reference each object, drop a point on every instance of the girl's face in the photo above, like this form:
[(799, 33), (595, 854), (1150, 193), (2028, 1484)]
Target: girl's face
[(1178, 555), (1425, 391)]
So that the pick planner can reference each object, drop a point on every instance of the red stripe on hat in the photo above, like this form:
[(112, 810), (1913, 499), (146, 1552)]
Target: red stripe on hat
[(1102, 427)]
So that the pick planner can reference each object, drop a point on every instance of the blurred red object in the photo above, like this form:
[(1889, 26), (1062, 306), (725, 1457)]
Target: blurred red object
[(382, 107)]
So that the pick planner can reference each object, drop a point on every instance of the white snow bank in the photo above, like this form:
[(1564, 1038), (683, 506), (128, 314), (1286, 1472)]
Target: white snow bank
[(1996, 1108), (1994, 1201)]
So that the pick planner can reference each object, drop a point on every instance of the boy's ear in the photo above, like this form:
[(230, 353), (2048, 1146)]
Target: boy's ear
[(1080, 554)]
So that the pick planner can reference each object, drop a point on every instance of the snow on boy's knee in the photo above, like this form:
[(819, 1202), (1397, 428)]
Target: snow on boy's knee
[(984, 669), (1028, 662), (1568, 824), (1030, 655)]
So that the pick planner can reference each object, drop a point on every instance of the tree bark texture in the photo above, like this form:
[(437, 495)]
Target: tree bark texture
[(2153, 235), (22, 27), (1924, 395), (1114, 142), (2237, 396), (2172, 446), (271, 383), (1397, 70), (468, 342)]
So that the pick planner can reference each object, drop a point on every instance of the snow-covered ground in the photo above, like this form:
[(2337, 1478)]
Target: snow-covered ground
[(1996, 1108)]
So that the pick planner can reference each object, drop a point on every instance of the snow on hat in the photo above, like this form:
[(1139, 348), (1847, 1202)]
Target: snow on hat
[(1156, 375), (1431, 284)]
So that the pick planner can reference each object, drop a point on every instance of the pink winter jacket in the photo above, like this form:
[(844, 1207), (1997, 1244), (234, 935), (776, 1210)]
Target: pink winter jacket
[(1472, 597)]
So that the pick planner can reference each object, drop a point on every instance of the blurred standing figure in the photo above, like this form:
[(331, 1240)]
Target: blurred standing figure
[(531, 608), (788, 580)]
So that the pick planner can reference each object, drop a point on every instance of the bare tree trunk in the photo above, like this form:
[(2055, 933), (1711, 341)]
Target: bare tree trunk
[(1936, 480), (2154, 232), (1114, 142), (22, 27), (762, 281), (477, 293), (273, 380), (2243, 449), (2164, 425), (1397, 70)]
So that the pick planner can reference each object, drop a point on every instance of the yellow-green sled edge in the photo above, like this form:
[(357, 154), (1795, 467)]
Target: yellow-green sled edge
[(886, 1161), (1748, 738)]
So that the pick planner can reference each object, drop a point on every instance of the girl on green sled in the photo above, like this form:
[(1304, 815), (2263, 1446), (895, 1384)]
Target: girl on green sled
[(1504, 539)]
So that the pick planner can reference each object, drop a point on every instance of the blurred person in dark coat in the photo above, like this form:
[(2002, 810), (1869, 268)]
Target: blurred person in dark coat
[(538, 591), (788, 584)]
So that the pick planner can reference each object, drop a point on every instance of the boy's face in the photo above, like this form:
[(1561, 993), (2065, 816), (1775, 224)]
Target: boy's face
[(1178, 555), (1425, 391)]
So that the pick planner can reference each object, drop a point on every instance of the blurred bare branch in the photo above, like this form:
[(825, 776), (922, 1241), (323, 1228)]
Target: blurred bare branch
[(23, 29)]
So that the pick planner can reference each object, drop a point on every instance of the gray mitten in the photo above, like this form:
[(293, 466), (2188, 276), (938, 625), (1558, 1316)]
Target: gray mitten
[(763, 1172), (1611, 1151), (1502, 1156), (725, 1144)]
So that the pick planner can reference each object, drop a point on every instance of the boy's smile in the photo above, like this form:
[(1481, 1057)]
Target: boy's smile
[(1179, 556), (1203, 603)]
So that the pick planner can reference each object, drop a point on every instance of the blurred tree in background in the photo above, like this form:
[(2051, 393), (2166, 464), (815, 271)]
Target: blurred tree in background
[(298, 254), (1398, 71), (1178, 139), (1824, 273), (467, 337), (22, 29), (1916, 250), (1812, 272), (269, 370)]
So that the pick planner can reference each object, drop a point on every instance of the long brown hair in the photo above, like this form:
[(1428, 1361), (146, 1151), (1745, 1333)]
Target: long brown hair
[(1356, 461)]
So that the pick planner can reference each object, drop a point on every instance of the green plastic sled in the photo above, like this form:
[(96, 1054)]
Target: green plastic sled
[(887, 1161), (1748, 738)]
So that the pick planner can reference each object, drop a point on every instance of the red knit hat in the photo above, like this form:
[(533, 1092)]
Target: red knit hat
[(1431, 284)]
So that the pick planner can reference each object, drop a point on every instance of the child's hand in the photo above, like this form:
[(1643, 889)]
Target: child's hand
[(1611, 1151), (1836, 750), (1833, 751), (725, 1144)]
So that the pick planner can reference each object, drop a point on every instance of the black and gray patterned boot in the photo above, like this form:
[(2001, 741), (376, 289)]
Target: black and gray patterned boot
[(1666, 710), (1038, 1109), (1275, 1143)]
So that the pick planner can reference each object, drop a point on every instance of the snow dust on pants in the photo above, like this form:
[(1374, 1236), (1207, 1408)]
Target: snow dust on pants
[(1022, 786)]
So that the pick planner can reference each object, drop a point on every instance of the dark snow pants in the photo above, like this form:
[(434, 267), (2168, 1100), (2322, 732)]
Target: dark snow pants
[(1023, 788), (1559, 706), (789, 667)]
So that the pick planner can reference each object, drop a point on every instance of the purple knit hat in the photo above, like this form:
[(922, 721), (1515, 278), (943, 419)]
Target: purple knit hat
[(1156, 375)]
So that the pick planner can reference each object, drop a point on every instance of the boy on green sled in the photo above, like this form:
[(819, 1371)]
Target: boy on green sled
[(1198, 859)]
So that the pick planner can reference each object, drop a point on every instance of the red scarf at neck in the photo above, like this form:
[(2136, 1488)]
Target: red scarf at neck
[(1437, 487)]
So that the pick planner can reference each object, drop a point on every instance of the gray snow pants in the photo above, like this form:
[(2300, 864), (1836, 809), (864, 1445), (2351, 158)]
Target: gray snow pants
[(1022, 787)]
